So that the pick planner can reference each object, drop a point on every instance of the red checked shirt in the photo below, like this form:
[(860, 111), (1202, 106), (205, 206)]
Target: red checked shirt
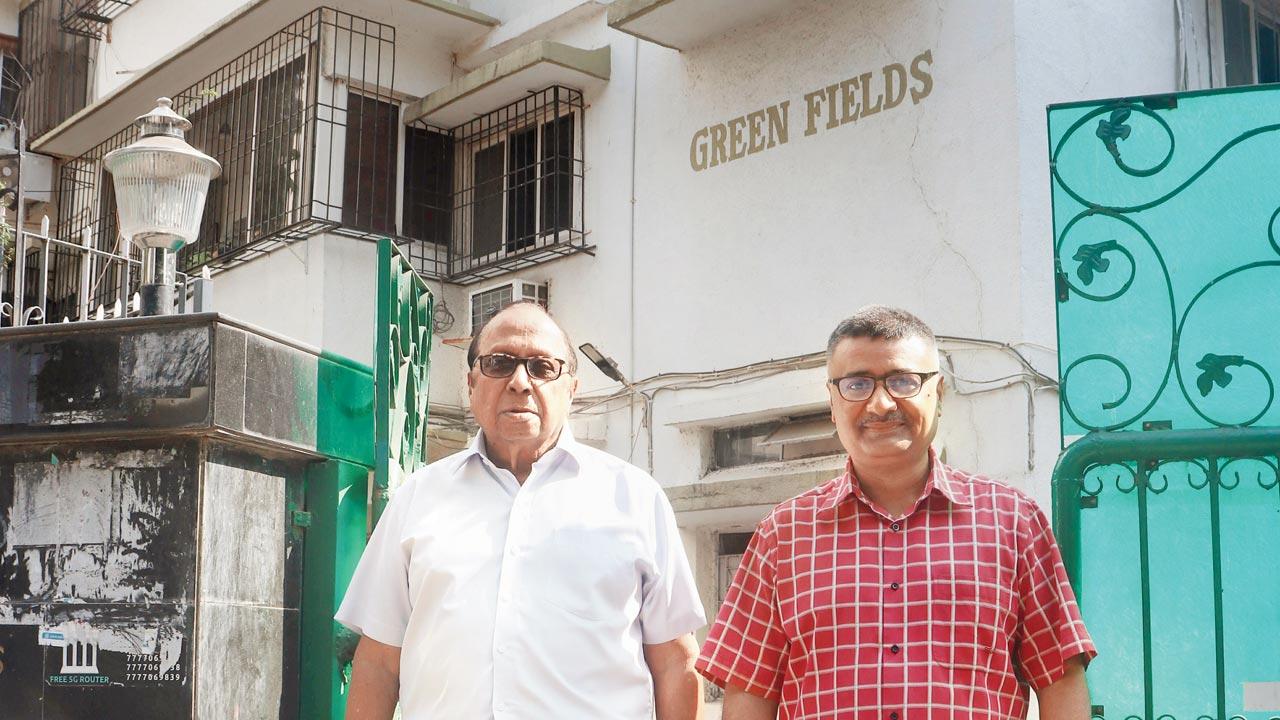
[(953, 611)]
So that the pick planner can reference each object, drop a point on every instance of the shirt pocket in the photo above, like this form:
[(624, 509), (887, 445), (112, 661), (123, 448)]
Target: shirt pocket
[(590, 571), (965, 612)]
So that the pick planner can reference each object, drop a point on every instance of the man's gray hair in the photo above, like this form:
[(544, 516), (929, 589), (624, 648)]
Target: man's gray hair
[(880, 322), (570, 358)]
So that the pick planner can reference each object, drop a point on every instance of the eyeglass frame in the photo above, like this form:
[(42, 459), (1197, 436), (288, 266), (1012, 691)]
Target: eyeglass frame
[(522, 361), (880, 380)]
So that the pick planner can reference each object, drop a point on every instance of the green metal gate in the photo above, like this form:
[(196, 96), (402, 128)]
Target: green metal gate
[(374, 423), (1167, 497)]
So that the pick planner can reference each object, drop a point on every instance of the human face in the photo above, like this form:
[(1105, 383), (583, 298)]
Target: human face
[(882, 430), (518, 413)]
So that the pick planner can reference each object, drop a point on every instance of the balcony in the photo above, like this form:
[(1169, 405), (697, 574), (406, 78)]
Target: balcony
[(305, 128), (685, 24), (75, 132)]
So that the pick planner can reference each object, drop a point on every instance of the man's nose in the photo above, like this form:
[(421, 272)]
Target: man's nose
[(520, 380), (881, 401)]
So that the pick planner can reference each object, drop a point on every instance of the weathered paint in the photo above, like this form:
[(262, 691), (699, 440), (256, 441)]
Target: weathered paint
[(159, 572)]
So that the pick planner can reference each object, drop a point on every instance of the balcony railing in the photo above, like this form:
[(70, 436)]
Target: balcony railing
[(303, 125), (89, 18), (66, 281)]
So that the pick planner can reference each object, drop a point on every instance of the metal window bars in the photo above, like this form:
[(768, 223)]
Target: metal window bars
[(505, 189), (89, 18), (58, 66), (276, 118)]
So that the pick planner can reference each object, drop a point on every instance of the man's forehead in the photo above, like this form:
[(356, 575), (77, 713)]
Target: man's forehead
[(520, 326), (909, 353)]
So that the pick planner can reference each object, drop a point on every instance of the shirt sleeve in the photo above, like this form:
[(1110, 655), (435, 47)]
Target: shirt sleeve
[(747, 646), (670, 606), (1051, 631), (377, 602)]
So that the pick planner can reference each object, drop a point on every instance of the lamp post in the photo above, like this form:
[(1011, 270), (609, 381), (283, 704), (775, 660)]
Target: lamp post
[(160, 183)]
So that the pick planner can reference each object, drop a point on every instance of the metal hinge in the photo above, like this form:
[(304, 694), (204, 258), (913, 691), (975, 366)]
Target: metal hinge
[(301, 518)]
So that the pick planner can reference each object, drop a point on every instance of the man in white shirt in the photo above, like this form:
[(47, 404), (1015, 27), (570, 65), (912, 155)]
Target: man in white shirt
[(528, 576)]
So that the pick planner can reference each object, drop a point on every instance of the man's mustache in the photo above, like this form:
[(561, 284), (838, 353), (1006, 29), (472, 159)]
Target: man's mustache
[(891, 417)]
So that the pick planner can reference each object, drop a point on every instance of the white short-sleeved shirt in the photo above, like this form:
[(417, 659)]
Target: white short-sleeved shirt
[(525, 601)]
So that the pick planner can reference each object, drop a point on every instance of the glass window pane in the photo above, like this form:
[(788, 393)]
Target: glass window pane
[(1268, 71), (428, 185), (487, 208), (1237, 45), (522, 189)]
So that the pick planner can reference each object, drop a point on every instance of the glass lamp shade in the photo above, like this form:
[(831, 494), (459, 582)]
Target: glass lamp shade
[(161, 182), (160, 191)]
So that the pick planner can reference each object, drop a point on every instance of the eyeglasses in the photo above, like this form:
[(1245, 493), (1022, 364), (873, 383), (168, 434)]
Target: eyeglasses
[(501, 365), (900, 385)]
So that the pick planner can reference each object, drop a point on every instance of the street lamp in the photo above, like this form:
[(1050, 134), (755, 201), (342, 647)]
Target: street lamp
[(609, 367), (161, 183), (606, 364)]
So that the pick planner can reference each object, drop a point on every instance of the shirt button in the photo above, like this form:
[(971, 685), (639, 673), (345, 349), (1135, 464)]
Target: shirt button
[(894, 649), (893, 716), (895, 527), (893, 586)]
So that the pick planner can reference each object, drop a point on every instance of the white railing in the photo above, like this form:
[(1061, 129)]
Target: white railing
[(66, 282)]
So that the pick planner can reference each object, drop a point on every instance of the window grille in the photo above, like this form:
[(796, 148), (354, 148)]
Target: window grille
[(89, 18), (58, 67), (278, 119), (511, 182)]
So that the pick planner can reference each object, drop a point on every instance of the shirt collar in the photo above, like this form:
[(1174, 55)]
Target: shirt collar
[(565, 443), (942, 480)]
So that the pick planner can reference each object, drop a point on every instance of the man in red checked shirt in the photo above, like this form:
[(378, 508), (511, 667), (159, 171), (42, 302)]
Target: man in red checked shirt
[(903, 589)]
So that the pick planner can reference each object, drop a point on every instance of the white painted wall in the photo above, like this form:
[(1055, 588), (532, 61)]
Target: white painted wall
[(9, 17), (940, 207), (150, 31)]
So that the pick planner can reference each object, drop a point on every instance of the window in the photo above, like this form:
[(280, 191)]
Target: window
[(255, 130), (1250, 41), (795, 439), (730, 547), (368, 185), (523, 187), (486, 303), (428, 185)]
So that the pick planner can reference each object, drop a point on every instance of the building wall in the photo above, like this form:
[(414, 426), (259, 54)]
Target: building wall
[(938, 204)]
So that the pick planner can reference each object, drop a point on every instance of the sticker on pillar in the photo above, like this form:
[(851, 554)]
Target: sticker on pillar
[(80, 647), (114, 655)]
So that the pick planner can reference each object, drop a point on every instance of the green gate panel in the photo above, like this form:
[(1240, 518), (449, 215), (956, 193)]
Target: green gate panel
[(1167, 259), (402, 347), (1167, 269)]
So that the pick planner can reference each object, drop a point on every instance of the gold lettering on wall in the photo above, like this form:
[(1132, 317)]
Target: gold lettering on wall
[(826, 108)]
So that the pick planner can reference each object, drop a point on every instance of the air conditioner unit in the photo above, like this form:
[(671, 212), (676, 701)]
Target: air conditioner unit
[(486, 302)]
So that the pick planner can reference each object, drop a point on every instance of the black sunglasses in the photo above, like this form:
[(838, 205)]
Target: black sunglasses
[(501, 365)]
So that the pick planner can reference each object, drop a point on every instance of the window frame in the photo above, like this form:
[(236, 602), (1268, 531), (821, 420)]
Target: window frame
[(1268, 10), (543, 168)]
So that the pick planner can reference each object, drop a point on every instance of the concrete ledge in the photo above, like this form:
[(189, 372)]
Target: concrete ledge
[(683, 24), (531, 67)]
